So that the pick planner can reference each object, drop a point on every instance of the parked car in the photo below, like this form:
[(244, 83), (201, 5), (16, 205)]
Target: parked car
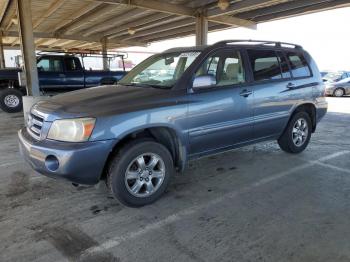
[(137, 134), (338, 89), (58, 73), (324, 73), (332, 77)]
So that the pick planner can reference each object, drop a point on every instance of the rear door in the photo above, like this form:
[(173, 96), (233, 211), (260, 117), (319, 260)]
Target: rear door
[(74, 74), (276, 91), (51, 74), (220, 114)]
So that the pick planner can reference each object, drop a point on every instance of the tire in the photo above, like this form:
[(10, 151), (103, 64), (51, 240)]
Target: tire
[(339, 92), (11, 100), (288, 140), (136, 191)]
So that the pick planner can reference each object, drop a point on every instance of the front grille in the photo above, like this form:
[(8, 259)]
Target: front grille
[(34, 125)]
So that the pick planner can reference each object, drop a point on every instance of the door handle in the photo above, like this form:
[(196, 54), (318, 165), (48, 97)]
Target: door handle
[(61, 75), (291, 85), (246, 93)]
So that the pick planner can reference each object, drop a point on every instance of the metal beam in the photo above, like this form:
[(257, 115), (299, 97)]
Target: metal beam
[(3, 7), (52, 8), (233, 21), (201, 30), (82, 20), (2, 54), (305, 10), (113, 22), (185, 32), (165, 27), (9, 14), (164, 7), (159, 6), (66, 20), (24, 14), (238, 6), (75, 37), (281, 8), (123, 30)]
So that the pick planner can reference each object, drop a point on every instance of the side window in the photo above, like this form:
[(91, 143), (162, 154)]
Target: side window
[(284, 65), (72, 64), (266, 65), (50, 65), (226, 68), (298, 65)]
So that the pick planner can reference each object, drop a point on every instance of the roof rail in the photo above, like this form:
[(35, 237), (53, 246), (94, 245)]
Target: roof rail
[(257, 42)]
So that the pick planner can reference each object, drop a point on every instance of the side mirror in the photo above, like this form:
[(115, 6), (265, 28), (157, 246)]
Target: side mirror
[(204, 81)]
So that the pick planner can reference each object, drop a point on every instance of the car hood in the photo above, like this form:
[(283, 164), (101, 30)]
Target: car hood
[(103, 101)]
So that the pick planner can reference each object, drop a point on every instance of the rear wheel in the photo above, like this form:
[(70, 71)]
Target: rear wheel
[(296, 136), (11, 100), (339, 92), (139, 173)]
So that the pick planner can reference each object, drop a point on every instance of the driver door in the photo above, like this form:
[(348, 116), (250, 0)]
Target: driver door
[(51, 74), (220, 115)]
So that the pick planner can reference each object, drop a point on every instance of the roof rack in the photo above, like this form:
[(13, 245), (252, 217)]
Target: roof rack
[(258, 42), (84, 54)]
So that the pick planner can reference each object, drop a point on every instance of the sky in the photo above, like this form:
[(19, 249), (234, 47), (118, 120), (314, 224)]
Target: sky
[(326, 35)]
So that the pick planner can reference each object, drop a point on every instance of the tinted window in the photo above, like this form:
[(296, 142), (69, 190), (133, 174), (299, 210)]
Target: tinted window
[(50, 64), (72, 64), (284, 65), (225, 66), (265, 64), (298, 65)]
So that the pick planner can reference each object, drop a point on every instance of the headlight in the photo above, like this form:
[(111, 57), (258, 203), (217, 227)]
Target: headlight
[(72, 130)]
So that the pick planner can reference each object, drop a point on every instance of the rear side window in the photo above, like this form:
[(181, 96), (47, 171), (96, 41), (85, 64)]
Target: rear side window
[(50, 64), (72, 64), (298, 64), (268, 65)]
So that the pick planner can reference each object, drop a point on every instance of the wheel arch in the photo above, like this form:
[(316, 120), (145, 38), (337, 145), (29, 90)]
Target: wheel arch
[(164, 135), (310, 109)]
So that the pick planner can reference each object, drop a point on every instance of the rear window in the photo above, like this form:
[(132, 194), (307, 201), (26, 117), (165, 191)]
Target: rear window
[(268, 65), (298, 64)]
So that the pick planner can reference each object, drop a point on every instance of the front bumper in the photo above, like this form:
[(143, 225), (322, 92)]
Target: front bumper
[(80, 163)]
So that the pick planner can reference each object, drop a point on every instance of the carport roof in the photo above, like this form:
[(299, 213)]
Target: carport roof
[(84, 24)]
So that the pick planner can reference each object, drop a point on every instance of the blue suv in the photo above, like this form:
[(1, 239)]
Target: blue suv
[(173, 107)]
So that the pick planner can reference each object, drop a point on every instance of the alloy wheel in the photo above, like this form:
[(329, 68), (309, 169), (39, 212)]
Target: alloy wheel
[(144, 175)]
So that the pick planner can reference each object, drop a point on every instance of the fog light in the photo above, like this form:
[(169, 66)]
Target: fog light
[(51, 163)]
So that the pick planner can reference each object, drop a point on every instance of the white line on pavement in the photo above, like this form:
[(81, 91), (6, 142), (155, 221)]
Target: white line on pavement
[(113, 242), (333, 167)]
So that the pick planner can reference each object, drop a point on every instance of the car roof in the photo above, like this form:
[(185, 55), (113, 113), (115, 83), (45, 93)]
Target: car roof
[(240, 43)]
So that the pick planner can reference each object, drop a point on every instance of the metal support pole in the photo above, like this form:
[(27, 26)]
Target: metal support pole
[(104, 53), (25, 25), (2, 54), (201, 30)]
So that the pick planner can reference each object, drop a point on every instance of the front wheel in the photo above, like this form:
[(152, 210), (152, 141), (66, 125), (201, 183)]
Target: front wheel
[(296, 136), (339, 92), (139, 173), (11, 100)]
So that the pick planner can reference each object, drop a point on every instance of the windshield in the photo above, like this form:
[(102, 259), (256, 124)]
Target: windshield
[(160, 71)]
